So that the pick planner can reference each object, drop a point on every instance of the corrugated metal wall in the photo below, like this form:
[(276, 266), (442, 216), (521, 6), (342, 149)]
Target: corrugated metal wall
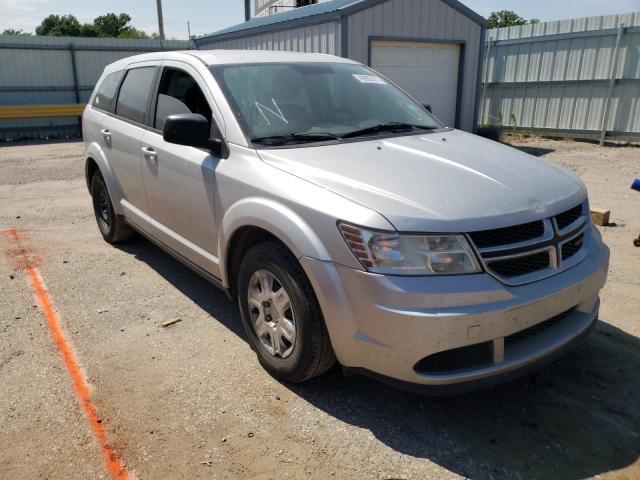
[(555, 77), (319, 38), (40, 70), (421, 19)]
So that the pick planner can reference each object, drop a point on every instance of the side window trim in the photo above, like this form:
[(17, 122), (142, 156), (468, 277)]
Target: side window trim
[(153, 98)]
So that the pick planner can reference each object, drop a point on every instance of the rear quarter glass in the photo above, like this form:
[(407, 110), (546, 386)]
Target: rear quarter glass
[(107, 91)]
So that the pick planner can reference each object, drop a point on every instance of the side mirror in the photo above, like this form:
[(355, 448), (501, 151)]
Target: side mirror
[(427, 107), (192, 130)]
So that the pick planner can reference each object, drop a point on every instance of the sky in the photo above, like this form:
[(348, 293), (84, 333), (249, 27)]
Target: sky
[(206, 16)]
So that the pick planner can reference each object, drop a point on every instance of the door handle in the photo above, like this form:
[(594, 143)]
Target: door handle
[(107, 136), (149, 154)]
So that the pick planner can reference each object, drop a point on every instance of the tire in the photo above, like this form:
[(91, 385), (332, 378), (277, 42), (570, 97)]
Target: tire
[(292, 343), (112, 227)]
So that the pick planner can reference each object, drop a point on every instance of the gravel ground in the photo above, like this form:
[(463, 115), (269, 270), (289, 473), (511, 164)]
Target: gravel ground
[(190, 401)]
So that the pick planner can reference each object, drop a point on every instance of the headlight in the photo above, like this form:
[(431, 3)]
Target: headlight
[(392, 253)]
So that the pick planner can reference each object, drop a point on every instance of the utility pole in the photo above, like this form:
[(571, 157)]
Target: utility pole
[(247, 10), (160, 21), (188, 31)]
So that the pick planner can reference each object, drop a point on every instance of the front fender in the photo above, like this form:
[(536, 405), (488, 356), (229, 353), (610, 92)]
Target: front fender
[(275, 218), (95, 152)]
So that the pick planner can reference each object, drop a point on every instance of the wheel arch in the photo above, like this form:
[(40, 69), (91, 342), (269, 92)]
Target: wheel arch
[(90, 168), (95, 161), (254, 220)]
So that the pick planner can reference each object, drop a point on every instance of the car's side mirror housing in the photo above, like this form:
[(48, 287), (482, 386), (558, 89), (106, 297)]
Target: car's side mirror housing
[(192, 130), (427, 107)]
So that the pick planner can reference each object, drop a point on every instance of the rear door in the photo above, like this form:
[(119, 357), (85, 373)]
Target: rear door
[(102, 105), (180, 181), (123, 131)]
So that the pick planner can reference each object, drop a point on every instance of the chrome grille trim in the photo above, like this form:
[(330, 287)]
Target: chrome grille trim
[(551, 261), (561, 218), (551, 241), (582, 219), (579, 255)]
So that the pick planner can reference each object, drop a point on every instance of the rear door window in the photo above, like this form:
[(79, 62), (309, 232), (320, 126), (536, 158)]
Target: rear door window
[(107, 91), (134, 93)]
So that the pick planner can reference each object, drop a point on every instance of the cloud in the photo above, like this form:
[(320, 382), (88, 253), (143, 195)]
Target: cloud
[(21, 5), (26, 24)]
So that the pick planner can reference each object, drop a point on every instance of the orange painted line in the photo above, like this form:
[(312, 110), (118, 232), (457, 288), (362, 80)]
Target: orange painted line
[(113, 463)]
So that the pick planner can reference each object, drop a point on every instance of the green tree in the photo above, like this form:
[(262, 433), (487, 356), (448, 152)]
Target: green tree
[(109, 25), (505, 18), (58, 26), (88, 30), (14, 32), (116, 26), (132, 32)]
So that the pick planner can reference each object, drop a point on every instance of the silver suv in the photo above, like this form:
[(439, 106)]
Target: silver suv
[(349, 224)]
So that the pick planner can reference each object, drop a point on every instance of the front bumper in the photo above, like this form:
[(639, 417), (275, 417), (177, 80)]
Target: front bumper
[(385, 325)]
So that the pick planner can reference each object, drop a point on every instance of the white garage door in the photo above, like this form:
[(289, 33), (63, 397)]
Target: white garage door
[(427, 71)]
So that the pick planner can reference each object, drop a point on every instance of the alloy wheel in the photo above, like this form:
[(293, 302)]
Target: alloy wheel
[(271, 313)]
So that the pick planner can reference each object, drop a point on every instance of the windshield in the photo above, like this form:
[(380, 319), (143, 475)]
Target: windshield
[(278, 104)]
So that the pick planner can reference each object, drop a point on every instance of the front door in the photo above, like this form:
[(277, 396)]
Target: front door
[(180, 181)]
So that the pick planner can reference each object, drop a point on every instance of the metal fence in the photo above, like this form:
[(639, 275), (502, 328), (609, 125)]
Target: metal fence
[(573, 78), (55, 71)]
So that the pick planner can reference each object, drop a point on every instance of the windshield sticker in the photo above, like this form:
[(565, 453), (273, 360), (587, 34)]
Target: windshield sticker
[(369, 79), (278, 114)]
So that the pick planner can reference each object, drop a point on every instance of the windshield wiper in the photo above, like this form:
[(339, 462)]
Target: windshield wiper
[(387, 127), (295, 137)]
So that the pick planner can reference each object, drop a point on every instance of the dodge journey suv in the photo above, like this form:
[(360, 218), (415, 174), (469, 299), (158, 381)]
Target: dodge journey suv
[(348, 223)]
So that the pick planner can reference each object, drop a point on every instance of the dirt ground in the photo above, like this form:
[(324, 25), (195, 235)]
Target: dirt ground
[(190, 401)]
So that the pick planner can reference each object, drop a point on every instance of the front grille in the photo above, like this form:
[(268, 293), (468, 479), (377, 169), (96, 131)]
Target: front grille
[(535, 329), (507, 235), (567, 218), (461, 358), (570, 248), (515, 266), (532, 250)]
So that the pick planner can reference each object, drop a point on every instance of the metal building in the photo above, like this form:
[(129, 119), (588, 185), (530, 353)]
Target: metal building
[(269, 7), (430, 48), (570, 78)]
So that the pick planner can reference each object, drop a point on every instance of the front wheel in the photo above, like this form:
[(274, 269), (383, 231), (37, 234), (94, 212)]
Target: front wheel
[(281, 314)]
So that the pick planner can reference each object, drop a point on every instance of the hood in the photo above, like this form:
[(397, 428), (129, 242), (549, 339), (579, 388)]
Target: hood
[(437, 182)]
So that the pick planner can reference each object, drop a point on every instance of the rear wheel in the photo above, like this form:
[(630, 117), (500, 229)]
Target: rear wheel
[(281, 315), (112, 227)]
